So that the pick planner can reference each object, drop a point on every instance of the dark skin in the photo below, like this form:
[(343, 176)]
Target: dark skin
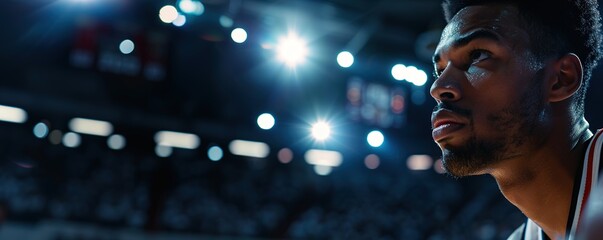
[(505, 113)]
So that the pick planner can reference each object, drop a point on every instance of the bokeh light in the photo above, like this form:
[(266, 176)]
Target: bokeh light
[(266, 121), (215, 153), (372, 161), (345, 59), (399, 72), (168, 14), (116, 142), (238, 35), (71, 140), (285, 155), (126, 46), (163, 151), (179, 21), (40, 130), (375, 138)]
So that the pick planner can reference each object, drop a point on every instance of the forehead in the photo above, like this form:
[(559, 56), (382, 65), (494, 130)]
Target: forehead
[(503, 20)]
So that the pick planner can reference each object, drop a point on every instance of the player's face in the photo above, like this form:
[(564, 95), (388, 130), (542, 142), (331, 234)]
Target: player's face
[(489, 91)]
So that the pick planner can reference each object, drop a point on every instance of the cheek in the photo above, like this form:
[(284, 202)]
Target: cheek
[(477, 76)]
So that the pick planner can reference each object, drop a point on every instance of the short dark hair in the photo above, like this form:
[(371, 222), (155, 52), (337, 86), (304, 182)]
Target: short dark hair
[(556, 27)]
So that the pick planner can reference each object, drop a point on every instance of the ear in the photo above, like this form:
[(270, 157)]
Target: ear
[(567, 78)]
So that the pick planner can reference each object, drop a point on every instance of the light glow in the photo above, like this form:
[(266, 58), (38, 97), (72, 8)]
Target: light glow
[(179, 21), (345, 59), (126, 46), (215, 153), (12, 114), (292, 50), (191, 7), (116, 142), (399, 72), (177, 139), (419, 162), (91, 127), (266, 121), (249, 148), (40, 130), (321, 130), (168, 14), (323, 157), (375, 138), (71, 140), (238, 35)]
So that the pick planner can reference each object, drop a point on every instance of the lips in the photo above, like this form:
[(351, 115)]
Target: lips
[(445, 123)]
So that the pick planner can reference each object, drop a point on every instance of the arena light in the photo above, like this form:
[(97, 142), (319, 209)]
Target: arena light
[(126, 46), (375, 138), (321, 130), (191, 7), (416, 76), (419, 162), (90, 126), (168, 14), (292, 50), (179, 21), (215, 153), (399, 72), (71, 140), (322, 170), (266, 121), (116, 142), (249, 148), (12, 114), (345, 59), (323, 157), (41, 130), (238, 35), (372, 161), (177, 139)]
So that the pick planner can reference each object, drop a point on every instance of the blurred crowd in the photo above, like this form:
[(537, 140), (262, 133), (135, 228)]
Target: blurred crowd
[(243, 197)]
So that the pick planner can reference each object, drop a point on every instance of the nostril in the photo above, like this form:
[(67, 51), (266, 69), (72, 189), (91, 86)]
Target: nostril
[(447, 95)]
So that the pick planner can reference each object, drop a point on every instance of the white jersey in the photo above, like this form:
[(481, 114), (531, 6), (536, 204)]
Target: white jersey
[(588, 178)]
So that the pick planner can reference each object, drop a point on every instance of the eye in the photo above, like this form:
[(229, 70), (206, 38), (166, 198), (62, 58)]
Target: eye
[(478, 55)]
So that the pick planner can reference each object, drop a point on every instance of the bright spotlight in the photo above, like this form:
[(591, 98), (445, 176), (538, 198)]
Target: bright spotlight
[(126, 46), (375, 138), (179, 21), (292, 50), (266, 121), (168, 14), (321, 130), (399, 72), (238, 35), (345, 59)]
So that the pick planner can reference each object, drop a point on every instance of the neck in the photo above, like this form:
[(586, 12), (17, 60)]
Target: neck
[(541, 183)]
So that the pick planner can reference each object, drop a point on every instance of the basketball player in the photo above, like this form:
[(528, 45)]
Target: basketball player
[(511, 78)]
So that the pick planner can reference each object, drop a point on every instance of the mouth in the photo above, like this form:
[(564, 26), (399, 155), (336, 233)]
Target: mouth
[(445, 123)]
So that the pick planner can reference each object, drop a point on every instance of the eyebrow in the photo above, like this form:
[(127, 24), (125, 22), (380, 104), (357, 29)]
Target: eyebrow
[(466, 39)]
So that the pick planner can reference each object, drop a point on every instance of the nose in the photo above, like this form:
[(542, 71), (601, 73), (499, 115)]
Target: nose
[(445, 88)]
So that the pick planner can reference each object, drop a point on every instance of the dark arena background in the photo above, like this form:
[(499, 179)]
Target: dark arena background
[(230, 119)]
